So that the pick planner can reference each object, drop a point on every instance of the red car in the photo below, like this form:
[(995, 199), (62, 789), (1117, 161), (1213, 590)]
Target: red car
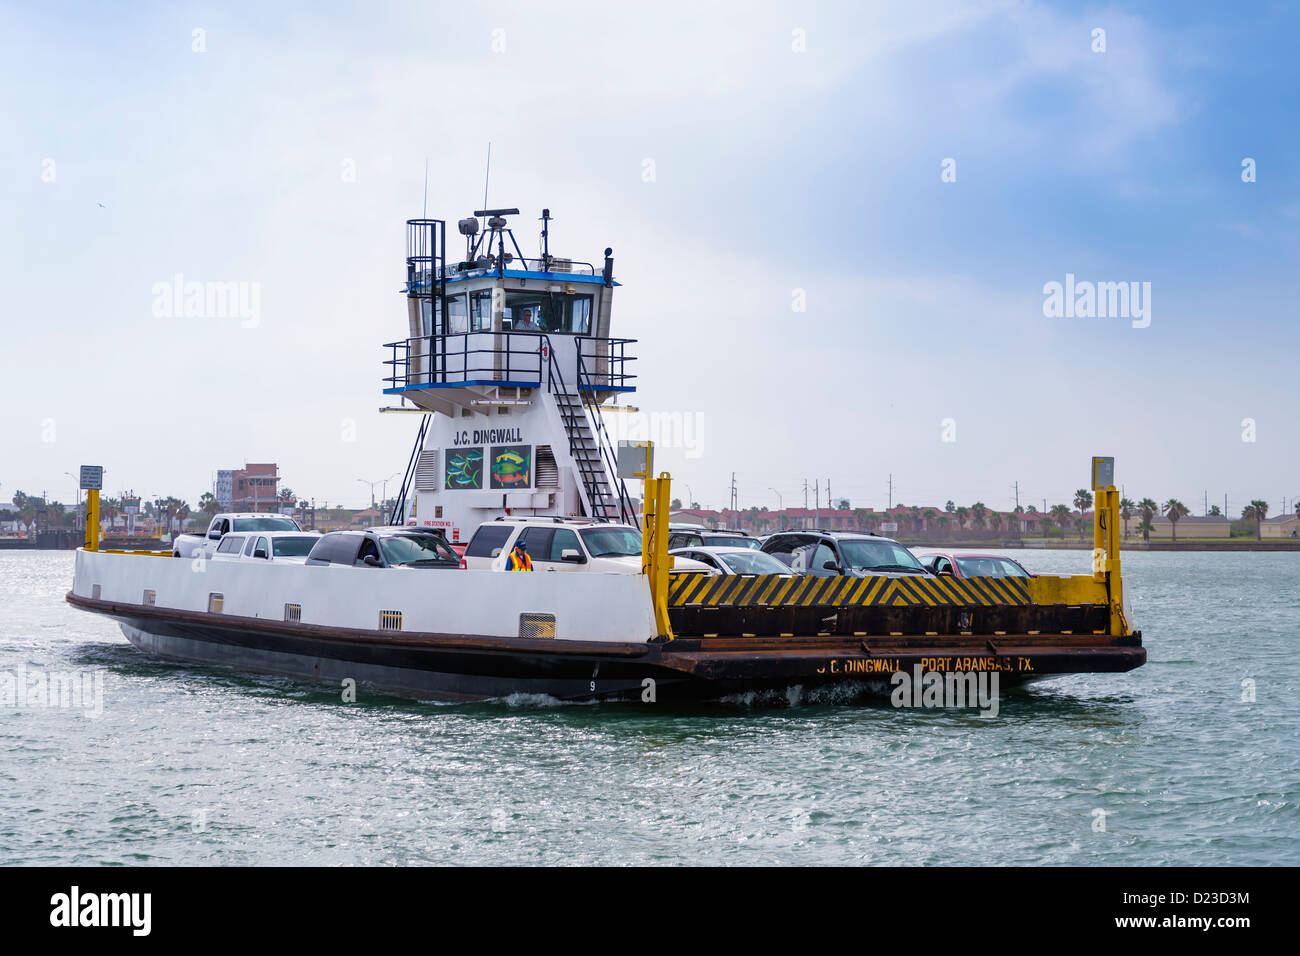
[(970, 564)]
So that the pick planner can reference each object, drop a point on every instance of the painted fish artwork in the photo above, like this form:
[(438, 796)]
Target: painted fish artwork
[(464, 468), (511, 466)]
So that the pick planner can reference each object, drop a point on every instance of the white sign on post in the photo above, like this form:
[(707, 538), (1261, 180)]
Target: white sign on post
[(92, 477), (634, 459)]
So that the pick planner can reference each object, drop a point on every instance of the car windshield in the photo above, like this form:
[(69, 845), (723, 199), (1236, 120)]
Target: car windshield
[(269, 523), (869, 554), (425, 550), (990, 568), (752, 562), (611, 542), (294, 547), (730, 541)]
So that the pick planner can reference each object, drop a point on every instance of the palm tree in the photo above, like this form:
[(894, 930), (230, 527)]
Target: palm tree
[(1148, 509), (979, 513), (1046, 525), (109, 509), (995, 520), (1256, 511), (962, 514), (916, 518), (1083, 500), (1215, 512), (1126, 507), (1062, 516), (929, 515), (1174, 510), (944, 522), (950, 507)]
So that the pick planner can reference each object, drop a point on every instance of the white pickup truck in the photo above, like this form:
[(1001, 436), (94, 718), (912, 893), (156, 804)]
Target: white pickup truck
[(563, 544), (205, 545)]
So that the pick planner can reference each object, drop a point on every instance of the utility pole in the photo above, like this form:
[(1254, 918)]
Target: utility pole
[(1207, 504), (1017, 486), (817, 504), (891, 491), (733, 491), (805, 494)]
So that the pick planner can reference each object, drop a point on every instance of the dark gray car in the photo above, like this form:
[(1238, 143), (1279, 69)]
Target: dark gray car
[(384, 548)]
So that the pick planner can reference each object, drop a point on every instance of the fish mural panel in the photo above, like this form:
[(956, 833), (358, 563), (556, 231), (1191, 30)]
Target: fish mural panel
[(464, 468), (512, 466)]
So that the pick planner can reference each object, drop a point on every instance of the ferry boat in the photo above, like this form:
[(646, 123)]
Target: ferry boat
[(511, 363)]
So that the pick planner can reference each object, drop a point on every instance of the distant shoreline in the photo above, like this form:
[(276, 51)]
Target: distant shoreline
[(1204, 544)]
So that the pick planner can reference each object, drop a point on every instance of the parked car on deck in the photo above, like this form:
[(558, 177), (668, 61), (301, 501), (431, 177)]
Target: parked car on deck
[(205, 545), (384, 548), (291, 547), (702, 538), (971, 564), (562, 544), (734, 560), (841, 552)]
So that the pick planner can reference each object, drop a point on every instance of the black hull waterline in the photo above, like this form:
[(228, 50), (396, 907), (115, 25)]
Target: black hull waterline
[(467, 667)]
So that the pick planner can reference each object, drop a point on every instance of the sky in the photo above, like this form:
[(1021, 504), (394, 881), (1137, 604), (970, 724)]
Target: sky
[(834, 225)]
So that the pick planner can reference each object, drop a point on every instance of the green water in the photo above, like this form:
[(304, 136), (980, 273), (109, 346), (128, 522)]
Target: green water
[(192, 765)]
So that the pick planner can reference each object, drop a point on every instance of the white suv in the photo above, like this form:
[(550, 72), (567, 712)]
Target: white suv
[(562, 544)]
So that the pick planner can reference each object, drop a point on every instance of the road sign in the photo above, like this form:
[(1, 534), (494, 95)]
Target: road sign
[(92, 477), (1103, 472)]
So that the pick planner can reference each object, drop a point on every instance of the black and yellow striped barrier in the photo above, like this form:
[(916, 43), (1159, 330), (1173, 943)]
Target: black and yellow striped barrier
[(776, 590)]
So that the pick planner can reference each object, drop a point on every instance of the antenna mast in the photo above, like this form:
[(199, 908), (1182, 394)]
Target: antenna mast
[(487, 173)]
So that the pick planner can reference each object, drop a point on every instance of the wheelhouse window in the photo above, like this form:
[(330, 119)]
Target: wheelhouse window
[(457, 314), (427, 324), (480, 310), (548, 312)]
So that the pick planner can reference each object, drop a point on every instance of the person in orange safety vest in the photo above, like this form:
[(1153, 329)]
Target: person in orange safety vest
[(519, 559)]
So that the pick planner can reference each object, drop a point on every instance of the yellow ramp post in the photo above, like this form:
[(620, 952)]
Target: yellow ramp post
[(92, 520), (655, 560), (1105, 542)]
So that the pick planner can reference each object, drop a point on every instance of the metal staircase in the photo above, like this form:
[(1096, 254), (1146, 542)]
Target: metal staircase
[(586, 455), (592, 450), (398, 514)]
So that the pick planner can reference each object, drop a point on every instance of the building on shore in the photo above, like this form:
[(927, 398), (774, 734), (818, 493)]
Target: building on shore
[(1282, 526), (1190, 526), (253, 488)]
